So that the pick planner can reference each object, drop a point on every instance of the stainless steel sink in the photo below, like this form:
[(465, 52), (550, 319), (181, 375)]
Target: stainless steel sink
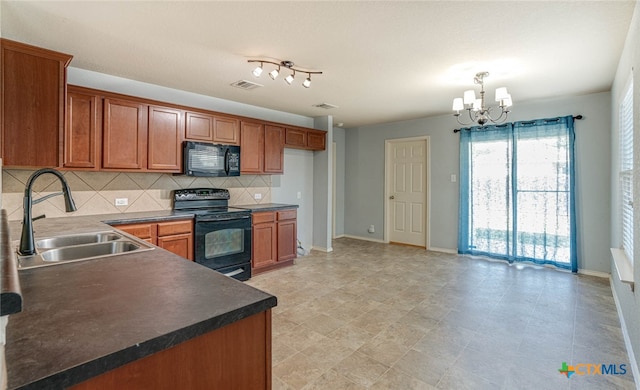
[(87, 251), (77, 239), (79, 247)]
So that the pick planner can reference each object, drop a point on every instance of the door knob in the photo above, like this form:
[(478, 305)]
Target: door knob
[(392, 197)]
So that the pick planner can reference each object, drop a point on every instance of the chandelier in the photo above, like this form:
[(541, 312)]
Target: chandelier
[(289, 65), (476, 109)]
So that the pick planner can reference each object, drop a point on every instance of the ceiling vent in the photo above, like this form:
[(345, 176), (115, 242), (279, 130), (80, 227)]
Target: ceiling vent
[(326, 106), (247, 85)]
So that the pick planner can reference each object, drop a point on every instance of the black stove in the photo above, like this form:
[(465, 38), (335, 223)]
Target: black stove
[(222, 238), (205, 201)]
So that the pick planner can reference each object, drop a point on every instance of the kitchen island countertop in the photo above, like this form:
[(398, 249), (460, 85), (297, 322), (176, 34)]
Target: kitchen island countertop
[(82, 319)]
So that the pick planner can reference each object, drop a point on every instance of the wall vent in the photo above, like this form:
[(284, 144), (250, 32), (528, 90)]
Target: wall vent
[(326, 106), (245, 84)]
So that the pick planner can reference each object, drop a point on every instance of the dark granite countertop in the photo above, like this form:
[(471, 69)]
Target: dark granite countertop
[(82, 319), (266, 206), (10, 292)]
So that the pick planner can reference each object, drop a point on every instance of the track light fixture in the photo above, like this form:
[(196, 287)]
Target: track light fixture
[(287, 64)]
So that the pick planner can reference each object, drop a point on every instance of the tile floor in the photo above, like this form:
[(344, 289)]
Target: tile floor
[(376, 316)]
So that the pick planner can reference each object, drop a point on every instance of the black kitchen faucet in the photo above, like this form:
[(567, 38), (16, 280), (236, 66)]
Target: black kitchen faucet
[(27, 246)]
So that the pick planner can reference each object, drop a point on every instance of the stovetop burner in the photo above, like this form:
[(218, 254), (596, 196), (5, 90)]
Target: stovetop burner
[(206, 203)]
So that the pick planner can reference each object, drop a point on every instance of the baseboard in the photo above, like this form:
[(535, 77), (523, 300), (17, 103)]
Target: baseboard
[(594, 273), (321, 249), (365, 238), (627, 341), (443, 250), (338, 236)]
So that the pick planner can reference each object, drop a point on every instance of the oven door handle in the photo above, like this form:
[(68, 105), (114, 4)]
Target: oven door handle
[(208, 219)]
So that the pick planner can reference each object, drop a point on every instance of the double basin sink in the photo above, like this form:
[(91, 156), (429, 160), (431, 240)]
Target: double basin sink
[(79, 247)]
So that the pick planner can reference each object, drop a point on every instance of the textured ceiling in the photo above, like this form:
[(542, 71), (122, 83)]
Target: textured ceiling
[(382, 61)]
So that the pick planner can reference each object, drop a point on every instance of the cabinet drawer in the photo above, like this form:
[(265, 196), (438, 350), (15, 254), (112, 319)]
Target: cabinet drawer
[(287, 214), (176, 227), (264, 217), (139, 230)]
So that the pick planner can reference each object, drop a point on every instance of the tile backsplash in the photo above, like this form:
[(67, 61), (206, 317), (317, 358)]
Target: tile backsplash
[(95, 192)]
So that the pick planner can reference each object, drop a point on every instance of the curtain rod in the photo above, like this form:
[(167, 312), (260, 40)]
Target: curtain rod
[(579, 116)]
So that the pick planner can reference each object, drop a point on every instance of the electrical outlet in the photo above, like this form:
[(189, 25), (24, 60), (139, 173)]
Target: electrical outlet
[(372, 229), (257, 196), (299, 195), (122, 201), (453, 178)]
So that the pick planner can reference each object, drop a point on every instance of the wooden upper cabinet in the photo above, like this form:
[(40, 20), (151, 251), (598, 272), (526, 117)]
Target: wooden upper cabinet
[(32, 104), (307, 139), (273, 149), (124, 133), (226, 131), (251, 147), (296, 138), (199, 127), (165, 139), (82, 129), (316, 140), (210, 128)]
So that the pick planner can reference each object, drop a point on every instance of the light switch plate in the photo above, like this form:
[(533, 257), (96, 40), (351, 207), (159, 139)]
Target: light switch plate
[(122, 201)]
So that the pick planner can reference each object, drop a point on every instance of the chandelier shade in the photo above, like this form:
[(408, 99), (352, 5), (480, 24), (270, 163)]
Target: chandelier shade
[(475, 107)]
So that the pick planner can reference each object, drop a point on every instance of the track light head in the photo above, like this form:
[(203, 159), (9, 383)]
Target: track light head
[(289, 79), (257, 71), (307, 82), (274, 73)]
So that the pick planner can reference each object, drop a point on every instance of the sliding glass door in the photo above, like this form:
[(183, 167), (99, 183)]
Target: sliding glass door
[(516, 192)]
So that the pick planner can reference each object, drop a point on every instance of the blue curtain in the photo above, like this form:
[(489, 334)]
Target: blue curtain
[(517, 197)]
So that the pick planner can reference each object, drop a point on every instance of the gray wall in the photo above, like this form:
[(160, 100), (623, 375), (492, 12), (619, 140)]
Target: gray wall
[(297, 178), (627, 300), (339, 137), (364, 198), (323, 188)]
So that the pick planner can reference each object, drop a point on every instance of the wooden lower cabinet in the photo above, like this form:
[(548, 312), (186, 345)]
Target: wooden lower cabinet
[(174, 236), (274, 239), (236, 356)]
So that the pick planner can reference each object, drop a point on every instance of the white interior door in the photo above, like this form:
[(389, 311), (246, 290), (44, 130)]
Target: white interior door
[(408, 193)]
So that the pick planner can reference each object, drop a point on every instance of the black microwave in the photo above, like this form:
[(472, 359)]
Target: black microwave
[(207, 159)]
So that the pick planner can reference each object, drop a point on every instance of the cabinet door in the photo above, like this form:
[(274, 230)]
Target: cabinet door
[(144, 231), (264, 245), (82, 130), (316, 140), (251, 147), (124, 127), (226, 131), (287, 242), (175, 227), (295, 138), (199, 127), (180, 244), (273, 149), (165, 139), (32, 99)]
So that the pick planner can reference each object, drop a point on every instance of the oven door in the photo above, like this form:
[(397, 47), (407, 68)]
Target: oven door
[(221, 243)]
